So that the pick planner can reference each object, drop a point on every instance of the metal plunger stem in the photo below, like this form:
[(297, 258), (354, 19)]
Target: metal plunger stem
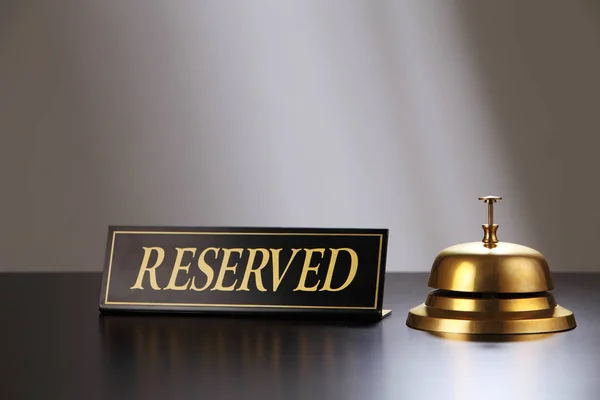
[(490, 200), (489, 236)]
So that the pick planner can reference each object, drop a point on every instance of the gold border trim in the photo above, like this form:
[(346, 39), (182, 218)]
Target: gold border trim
[(241, 234)]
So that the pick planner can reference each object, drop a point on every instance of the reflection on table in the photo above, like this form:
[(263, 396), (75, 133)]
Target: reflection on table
[(142, 353)]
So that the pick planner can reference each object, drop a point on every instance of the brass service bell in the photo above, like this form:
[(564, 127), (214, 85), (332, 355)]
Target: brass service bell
[(490, 287)]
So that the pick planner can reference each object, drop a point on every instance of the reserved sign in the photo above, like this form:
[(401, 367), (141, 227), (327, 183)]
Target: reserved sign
[(245, 270)]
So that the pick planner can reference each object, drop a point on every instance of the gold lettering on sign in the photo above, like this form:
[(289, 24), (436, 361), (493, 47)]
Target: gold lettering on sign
[(351, 273), (277, 278), (178, 267), (309, 281), (306, 268), (225, 268), (204, 267), (152, 270), (257, 272)]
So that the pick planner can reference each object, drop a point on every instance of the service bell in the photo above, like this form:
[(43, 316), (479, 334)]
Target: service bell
[(490, 287)]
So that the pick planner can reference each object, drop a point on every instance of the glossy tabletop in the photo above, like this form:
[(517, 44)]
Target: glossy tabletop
[(54, 344)]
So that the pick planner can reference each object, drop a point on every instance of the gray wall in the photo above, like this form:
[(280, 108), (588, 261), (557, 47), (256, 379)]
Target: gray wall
[(299, 113)]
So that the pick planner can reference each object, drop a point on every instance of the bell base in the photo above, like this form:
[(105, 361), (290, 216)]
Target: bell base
[(447, 321)]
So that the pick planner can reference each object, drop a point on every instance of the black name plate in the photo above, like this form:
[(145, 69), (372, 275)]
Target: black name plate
[(245, 270)]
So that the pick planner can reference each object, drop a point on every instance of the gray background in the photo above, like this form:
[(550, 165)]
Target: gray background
[(299, 113)]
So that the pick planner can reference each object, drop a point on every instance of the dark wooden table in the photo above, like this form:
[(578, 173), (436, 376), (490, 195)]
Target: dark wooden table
[(55, 345)]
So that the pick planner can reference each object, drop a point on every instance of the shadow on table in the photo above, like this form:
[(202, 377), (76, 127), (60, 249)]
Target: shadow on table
[(492, 338)]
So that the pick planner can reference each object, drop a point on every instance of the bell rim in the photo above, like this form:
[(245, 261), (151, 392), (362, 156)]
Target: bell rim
[(561, 320)]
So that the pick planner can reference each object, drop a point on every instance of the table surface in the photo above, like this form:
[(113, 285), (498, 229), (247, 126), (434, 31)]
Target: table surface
[(54, 344)]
